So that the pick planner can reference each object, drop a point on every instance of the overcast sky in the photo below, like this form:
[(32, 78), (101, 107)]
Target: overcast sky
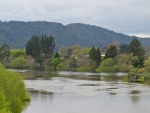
[(124, 16)]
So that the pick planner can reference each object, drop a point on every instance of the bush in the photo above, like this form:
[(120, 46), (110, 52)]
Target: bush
[(13, 91), (19, 63), (62, 66), (125, 68), (106, 66), (85, 68), (17, 53), (141, 70)]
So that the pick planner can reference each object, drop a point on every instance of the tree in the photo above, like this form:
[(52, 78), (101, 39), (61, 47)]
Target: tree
[(85, 51), (95, 55), (17, 52), (73, 63), (136, 48), (106, 65), (92, 53), (109, 45), (147, 64), (63, 50), (55, 63), (12, 91), (47, 44), (4, 54), (56, 55), (123, 49), (98, 57), (33, 47), (19, 63), (111, 52), (124, 63), (37, 46)]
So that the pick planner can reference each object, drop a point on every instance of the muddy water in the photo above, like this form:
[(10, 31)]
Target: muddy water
[(72, 92)]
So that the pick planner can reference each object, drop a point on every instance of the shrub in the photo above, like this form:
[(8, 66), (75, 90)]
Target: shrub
[(106, 66), (87, 67), (13, 91), (62, 66), (19, 63), (17, 53), (141, 70)]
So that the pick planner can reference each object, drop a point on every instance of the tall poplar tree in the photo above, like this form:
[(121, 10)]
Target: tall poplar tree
[(95, 55)]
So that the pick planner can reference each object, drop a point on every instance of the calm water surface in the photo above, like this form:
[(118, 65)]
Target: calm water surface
[(73, 92)]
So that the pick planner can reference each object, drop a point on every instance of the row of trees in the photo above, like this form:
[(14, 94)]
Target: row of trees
[(37, 46), (39, 52)]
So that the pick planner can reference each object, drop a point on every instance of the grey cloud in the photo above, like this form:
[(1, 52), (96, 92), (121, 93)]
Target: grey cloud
[(130, 16)]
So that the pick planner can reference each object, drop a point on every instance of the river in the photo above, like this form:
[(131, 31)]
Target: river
[(73, 92)]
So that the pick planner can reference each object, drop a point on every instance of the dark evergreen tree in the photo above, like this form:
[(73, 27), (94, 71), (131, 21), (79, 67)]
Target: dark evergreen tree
[(33, 46), (98, 57), (56, 55), (123, 49), (111, 52), (136, 48), (47, 44), (37, 46), (92, 53), (95, 55)]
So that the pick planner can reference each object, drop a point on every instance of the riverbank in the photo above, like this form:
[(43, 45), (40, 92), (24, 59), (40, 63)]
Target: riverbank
[(13, 93)]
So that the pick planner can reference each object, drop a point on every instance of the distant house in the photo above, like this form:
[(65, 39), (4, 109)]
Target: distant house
[(102, 55)]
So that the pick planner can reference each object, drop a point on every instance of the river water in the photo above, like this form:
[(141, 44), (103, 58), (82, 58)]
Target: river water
[(73, 92)]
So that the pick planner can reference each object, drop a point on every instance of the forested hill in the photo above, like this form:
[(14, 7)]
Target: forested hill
[(17, 33)]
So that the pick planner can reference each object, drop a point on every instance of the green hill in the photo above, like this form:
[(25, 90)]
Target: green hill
[(17, 33)]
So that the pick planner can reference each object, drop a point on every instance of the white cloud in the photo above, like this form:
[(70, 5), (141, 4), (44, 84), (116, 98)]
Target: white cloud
[(130, 16)]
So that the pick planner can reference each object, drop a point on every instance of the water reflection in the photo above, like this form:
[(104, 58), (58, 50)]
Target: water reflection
[(135, 96), (73, 92)]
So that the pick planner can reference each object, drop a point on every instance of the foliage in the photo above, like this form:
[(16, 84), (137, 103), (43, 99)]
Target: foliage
[(76, 52), (55, 62), (63, 50), (123, 49), (86, 68), (40, 59), (95, 55), (19, 63), (62, 66), (73, 63), (125, 68), (106, 66), (47, 44), (124, 63), (141, 70), (111, 52), (109, 45), (33, 47), (17, 52), (147, 64), (85, 51), (12, 92), (56, 55), (37, 46), (4, 55), (136, 48)]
